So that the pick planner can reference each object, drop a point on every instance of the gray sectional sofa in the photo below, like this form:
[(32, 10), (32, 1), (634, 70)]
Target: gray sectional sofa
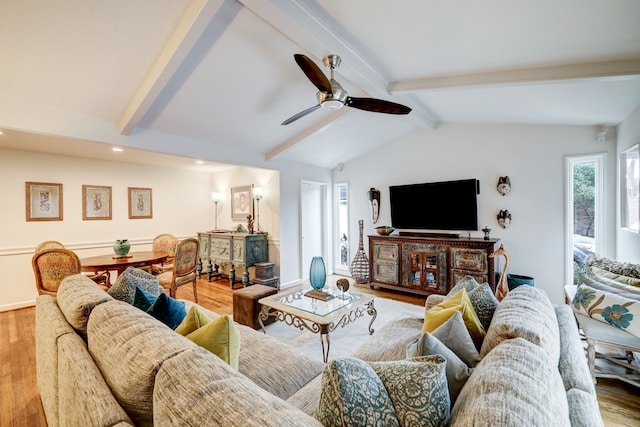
[(103, 362)]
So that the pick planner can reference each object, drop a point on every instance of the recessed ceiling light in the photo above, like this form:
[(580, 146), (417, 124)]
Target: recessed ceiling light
[(200, 162), (117, 150)]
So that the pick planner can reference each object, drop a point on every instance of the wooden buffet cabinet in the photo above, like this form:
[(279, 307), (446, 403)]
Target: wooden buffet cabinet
[(428, 265), (233, 249)]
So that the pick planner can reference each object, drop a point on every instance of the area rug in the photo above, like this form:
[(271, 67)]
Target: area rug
[(345, 340)]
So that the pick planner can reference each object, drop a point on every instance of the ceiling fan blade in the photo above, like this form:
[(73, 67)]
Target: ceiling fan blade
[(300, 114), (313, 73), (377, 105)]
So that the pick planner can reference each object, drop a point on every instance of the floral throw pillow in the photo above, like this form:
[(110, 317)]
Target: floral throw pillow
[(616, 310)]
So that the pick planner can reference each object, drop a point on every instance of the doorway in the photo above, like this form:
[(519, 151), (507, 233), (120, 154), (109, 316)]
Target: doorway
[(313, 222), (584, 207)]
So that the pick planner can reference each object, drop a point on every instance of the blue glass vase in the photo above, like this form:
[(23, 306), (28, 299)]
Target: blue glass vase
[(317, 273)]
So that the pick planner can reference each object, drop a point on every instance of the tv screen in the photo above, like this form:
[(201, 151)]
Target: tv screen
[(447, 205)]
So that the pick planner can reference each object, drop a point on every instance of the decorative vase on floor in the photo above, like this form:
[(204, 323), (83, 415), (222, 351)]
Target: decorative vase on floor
[(121, 248), (317, 273), (360, 263)]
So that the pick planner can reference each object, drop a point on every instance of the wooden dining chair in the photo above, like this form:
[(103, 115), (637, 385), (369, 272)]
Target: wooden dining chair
[(50, 266), (102, 278), (166, 243), (184, 272)]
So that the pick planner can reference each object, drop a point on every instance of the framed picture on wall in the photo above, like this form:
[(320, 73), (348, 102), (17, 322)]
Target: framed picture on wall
[(140, 203), (43, 201), (96, 202), (241, 203)]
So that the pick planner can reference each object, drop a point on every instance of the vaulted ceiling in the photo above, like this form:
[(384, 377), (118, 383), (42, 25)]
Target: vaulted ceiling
[(214, 79)]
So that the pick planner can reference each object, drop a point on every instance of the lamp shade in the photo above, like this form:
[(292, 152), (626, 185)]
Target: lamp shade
[(215, 197), (317, 273), (257, 193)]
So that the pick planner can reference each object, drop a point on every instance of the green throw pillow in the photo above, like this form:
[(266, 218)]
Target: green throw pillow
[(220, 336), (417, 388), (353, 395), (168, 310), (143, 299), (195, 319)]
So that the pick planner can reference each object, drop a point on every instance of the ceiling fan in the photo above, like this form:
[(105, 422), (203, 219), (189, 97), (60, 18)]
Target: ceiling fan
[(332, 96)]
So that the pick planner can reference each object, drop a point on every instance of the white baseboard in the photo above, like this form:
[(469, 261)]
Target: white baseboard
[(17, 305)]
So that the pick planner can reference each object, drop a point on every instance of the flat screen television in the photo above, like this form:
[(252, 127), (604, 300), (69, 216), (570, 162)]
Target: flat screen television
[(447, 205)]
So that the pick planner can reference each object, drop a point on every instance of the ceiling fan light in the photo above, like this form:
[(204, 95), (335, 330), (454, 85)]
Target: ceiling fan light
[(332, 104)]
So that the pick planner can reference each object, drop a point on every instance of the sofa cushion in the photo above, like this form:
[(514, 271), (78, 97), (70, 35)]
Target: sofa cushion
[(77, 296), (195, 388), (306, 399), (353, 394), (390, 342), (80, 377), (615, 310), (168, 310), (516, 384), (124, 288), (525, 312), (458, 302), (261, 360), (417, 388), (129, 346), (456, 370), (484, 303)]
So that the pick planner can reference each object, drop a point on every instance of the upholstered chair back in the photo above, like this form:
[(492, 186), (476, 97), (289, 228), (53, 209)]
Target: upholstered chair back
[(50, 266), (166, 243), (49, 244), (184, 272)]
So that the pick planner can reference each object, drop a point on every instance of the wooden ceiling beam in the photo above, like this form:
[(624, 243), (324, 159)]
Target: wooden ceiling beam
[(606, 70), (193, 23)]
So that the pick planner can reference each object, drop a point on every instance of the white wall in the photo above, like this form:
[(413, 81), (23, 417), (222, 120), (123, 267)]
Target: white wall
[(628, 243), (532, 156), (181, 205)]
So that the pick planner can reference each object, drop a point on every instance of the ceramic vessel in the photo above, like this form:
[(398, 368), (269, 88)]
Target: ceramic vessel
[(121, 247), (317, 273)]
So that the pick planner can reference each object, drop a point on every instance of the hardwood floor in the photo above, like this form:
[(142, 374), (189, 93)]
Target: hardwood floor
[(20, 400)]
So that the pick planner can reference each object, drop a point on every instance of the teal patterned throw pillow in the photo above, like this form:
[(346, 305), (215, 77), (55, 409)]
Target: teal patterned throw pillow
[(484, 303), (418, 389), (353, 395), (468, 283)]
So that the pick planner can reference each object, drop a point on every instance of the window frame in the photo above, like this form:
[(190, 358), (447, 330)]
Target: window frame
[(626, 223)]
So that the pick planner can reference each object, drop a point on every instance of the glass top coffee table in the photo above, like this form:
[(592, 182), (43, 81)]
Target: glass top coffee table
[(321, 317)]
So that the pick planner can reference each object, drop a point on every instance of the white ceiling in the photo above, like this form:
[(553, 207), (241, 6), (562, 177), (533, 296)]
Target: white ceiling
[(221, 75)]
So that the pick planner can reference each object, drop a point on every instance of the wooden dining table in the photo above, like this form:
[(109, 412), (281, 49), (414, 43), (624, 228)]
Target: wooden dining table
[(111, 262)]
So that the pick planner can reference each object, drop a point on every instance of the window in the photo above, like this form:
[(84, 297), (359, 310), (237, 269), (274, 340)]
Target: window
[(629, 188), (342, 232), (584, 207)]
